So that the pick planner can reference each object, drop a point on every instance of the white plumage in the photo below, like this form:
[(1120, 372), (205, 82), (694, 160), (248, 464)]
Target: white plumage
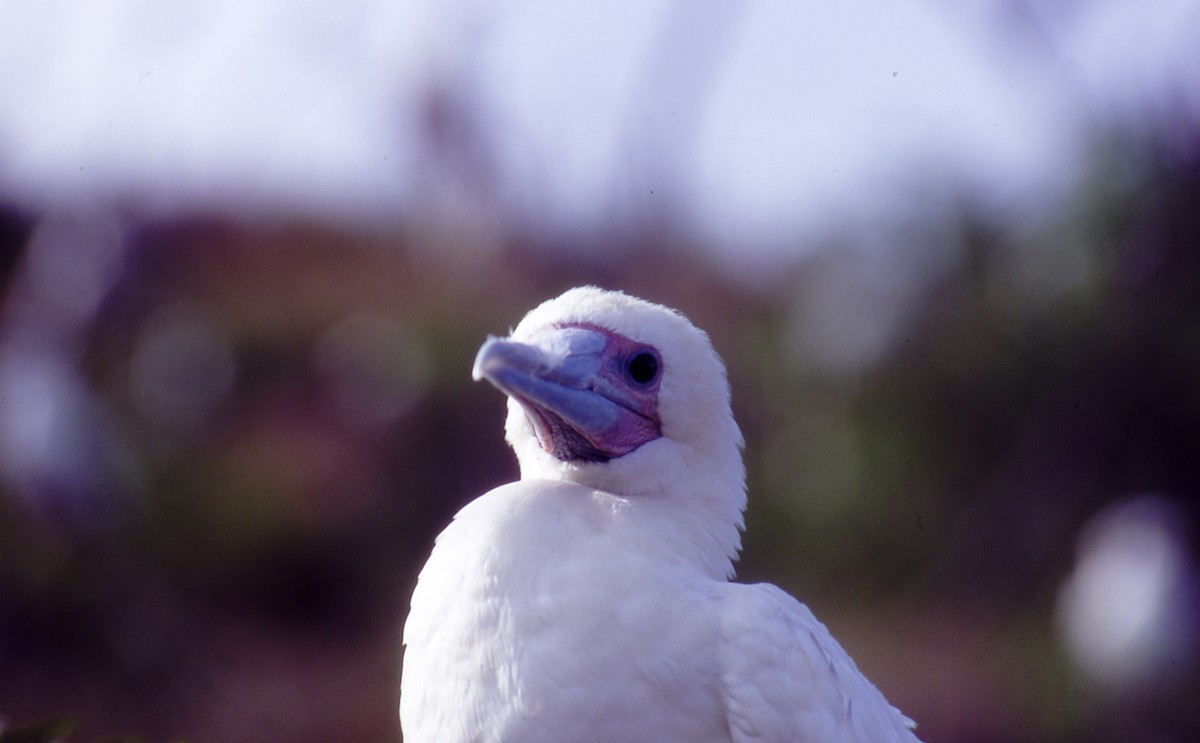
[(591, 600)]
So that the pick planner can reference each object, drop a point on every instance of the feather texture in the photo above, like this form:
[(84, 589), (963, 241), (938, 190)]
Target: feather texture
[(591, 601)]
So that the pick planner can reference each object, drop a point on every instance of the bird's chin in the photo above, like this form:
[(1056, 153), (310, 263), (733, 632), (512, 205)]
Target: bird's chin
[(558, 439)]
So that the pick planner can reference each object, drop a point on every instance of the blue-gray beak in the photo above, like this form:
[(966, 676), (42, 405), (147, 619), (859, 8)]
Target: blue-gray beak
[(570, 386)]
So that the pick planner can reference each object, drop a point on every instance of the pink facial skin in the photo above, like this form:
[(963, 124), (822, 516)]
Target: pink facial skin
[(591, 394)]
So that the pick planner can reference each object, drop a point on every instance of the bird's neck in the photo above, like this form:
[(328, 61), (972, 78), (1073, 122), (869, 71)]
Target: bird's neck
[(696, 518)]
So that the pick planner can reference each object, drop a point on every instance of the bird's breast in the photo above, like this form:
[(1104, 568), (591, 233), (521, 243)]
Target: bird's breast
[(540, 612)]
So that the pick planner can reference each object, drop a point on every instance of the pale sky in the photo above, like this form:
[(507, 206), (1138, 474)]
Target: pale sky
[(753, 122)]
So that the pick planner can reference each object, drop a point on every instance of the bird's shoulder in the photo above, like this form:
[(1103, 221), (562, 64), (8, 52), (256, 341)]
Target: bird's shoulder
[(520, 540), (786, 678), (531, 504)]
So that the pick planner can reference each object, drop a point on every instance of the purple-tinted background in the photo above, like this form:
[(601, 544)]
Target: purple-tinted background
[(951, 258)]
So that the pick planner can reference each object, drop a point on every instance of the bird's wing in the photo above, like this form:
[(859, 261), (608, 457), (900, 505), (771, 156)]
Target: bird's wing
[(786, 679)]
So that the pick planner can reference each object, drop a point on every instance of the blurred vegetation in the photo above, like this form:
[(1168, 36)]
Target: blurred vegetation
[(233, 459)]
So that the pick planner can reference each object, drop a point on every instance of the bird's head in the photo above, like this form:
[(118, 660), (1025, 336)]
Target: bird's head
[(619, 394)]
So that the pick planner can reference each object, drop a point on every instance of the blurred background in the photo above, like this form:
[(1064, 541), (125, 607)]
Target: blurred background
[(950, 252)]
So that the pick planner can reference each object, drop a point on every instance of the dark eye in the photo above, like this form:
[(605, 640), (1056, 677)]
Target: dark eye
[(642, 367)]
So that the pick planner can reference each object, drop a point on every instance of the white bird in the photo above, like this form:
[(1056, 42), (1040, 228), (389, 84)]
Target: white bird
[(592, 600)]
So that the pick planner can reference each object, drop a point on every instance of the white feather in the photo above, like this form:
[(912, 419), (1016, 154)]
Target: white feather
[(591, 601)]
